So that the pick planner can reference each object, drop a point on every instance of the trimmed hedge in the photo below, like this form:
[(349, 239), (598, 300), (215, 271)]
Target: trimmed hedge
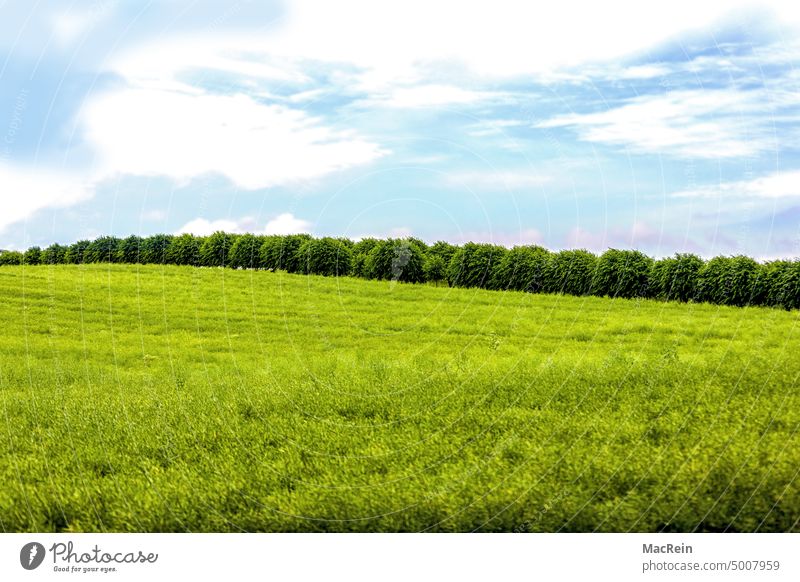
[(674, 277), (184, 250), (75, 252), (55, 254), (244, 252), (768, 286), (475, 265), (361, 251), (130, 249), (214, 250), (728, 281), (10, 258), (102, 250), (435, 269), (396, 260), (570, 272), (737, 281), (789, 287), (325, 256), (522, 269), (33, 256), (282, 252), (154, 248), (622, 274)]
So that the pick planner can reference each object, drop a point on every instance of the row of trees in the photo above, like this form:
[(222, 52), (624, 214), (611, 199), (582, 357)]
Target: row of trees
[(735, 280)]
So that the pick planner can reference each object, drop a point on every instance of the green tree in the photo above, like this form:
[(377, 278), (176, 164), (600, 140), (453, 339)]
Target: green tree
[(214, 251), (728, 281), (346, 242), (33, 256), (442, 249), (154, 249), (768, 288), (129, 250), (474, 265), (570, 272), (325, 256), (743, 277), (523, 268), (675, 278), (76, 251), (103, 250), (397, 260), (282, 252), (11, 258), (184, 250), (622, 273), (361, 251), (55, 254), (790, 286), (244, 252), (435, 269)]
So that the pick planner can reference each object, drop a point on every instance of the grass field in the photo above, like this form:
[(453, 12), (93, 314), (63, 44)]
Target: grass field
[(148, 398)]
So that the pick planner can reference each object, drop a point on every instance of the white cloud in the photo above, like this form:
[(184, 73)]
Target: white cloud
[(26, 190), (161, 61), (149, 131), (287, 223), (158, 124), (507, 38), (203, 227), (429, 96), (719, 123), (374, 47), (777, 185)]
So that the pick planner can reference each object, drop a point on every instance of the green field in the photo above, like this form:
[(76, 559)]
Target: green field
[(150, 398)]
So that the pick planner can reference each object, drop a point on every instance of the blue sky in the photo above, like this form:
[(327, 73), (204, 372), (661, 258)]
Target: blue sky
[(631, 125)]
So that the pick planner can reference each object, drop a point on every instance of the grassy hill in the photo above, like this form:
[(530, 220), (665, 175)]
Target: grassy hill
[(151, 398)]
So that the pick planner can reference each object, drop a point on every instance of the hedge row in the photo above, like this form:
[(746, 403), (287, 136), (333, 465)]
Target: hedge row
[(736, 280)]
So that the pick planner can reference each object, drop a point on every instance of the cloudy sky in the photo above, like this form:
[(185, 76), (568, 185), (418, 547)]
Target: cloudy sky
[(670, 127)]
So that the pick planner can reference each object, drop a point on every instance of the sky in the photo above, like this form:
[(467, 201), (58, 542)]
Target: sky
[(666, 127)]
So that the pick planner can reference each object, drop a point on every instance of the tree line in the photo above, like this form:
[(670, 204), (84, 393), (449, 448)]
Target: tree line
[(734, 280)]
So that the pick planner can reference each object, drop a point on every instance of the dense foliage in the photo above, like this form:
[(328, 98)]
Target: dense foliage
[(475, 265), (129, 250), (396, 260), (622, 274), (675, 277), (184, 250), (56, 254), (154, 248), (282, 252), (245, 252), (325, 256), (737, 281), (571, 272), (522, 269)]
